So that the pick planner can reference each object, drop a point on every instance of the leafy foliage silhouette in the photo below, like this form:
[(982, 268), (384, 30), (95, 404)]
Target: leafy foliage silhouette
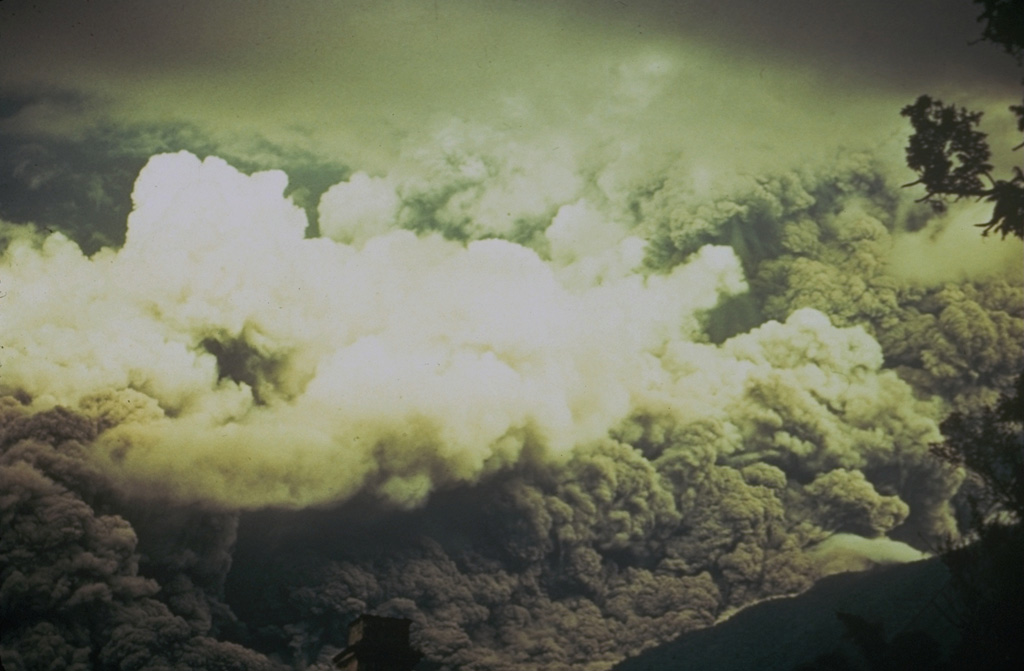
[(951, 156), (985, 567), (1004, 25)]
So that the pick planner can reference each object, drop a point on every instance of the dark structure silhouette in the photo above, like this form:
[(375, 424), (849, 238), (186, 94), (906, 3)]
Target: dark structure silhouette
[(377, 644)]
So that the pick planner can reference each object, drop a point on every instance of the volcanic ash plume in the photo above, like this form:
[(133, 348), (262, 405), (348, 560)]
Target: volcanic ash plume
[(538, 453), (728, 483)]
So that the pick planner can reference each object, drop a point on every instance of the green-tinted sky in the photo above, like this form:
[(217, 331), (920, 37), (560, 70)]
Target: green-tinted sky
[(358, 78)]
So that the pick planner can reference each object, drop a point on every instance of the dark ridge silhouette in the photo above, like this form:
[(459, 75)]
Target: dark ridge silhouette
[(782, 634)]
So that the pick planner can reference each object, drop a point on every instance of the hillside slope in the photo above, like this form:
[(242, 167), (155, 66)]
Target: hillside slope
[(780, 634)]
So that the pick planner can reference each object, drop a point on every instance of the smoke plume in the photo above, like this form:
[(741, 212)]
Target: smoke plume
[(552, 411), (72, 595)]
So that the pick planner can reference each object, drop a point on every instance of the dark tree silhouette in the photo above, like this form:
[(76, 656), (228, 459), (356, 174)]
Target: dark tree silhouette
[(1004, 25), (990, 444), (985, 568), (951, 156)]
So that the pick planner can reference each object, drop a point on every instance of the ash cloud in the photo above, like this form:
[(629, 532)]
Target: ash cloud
[(71, 592), (508, 420), (846, 242), (717, 493)]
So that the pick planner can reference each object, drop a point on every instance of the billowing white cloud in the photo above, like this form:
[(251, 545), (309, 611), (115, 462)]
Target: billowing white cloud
[(359, 209), (323, 368)]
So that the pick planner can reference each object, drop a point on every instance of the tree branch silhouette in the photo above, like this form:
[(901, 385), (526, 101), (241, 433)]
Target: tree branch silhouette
[(948, 152)]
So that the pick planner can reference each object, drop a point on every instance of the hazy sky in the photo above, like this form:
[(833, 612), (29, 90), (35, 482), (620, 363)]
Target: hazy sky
[(732, 78)]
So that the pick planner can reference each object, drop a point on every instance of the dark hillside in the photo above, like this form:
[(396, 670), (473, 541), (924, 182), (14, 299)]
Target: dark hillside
[(783, 633)]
